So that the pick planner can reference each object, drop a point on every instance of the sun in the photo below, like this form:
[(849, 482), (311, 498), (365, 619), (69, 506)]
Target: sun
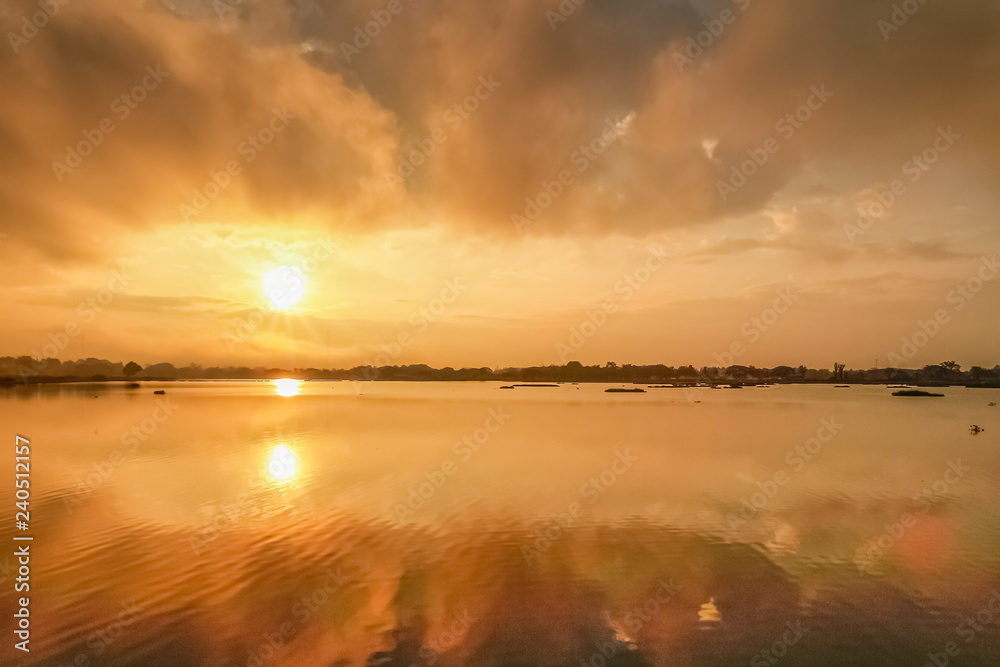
[(284, 286)]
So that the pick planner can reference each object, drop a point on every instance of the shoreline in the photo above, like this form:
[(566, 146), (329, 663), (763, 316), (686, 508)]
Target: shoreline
[(10, 382)]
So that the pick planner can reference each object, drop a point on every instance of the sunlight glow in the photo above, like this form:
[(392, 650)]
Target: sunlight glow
[(287, 387), (709, 613), (282, 464), (284, 286)]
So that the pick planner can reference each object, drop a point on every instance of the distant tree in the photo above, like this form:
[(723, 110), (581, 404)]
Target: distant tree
[(898, 375), (838, 370), (938, 373), (131, 368), (192, 370), (90, 367), (738, 372), (165, 370), (50, 366)]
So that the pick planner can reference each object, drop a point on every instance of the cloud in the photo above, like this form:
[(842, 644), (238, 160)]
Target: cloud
[(211, 92), (359, 114)]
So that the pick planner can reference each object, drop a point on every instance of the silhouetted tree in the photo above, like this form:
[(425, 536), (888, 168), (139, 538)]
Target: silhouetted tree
[(951, 367), (131, 368), (166, 370), (935, 373)]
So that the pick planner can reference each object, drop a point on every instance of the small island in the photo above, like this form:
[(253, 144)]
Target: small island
[(916, 392)]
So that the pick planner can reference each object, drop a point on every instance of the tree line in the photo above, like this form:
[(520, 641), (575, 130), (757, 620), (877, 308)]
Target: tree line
[(26, 369)]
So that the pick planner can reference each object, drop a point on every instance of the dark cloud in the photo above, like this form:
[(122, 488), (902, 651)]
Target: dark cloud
[(359, 115), (200, 94)]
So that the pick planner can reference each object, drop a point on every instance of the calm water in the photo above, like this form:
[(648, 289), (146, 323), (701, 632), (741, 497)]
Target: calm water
[(461, 524)]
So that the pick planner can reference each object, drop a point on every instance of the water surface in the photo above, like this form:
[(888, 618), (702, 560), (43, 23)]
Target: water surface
[(316, 523)]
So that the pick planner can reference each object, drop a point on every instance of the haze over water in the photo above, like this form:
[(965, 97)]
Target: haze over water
[(461, 524)]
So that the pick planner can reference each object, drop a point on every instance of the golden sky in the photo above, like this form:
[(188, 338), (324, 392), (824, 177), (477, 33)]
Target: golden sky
[(501, 183)]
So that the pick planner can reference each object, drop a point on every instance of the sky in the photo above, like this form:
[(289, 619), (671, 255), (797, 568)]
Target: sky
[(502, 183)]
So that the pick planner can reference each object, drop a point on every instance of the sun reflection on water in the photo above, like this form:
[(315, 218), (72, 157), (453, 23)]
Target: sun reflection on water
[(282, 465), (287, 387), (709, 614)]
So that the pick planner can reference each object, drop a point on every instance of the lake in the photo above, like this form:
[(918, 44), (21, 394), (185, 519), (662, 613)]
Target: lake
[(347, 523)]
